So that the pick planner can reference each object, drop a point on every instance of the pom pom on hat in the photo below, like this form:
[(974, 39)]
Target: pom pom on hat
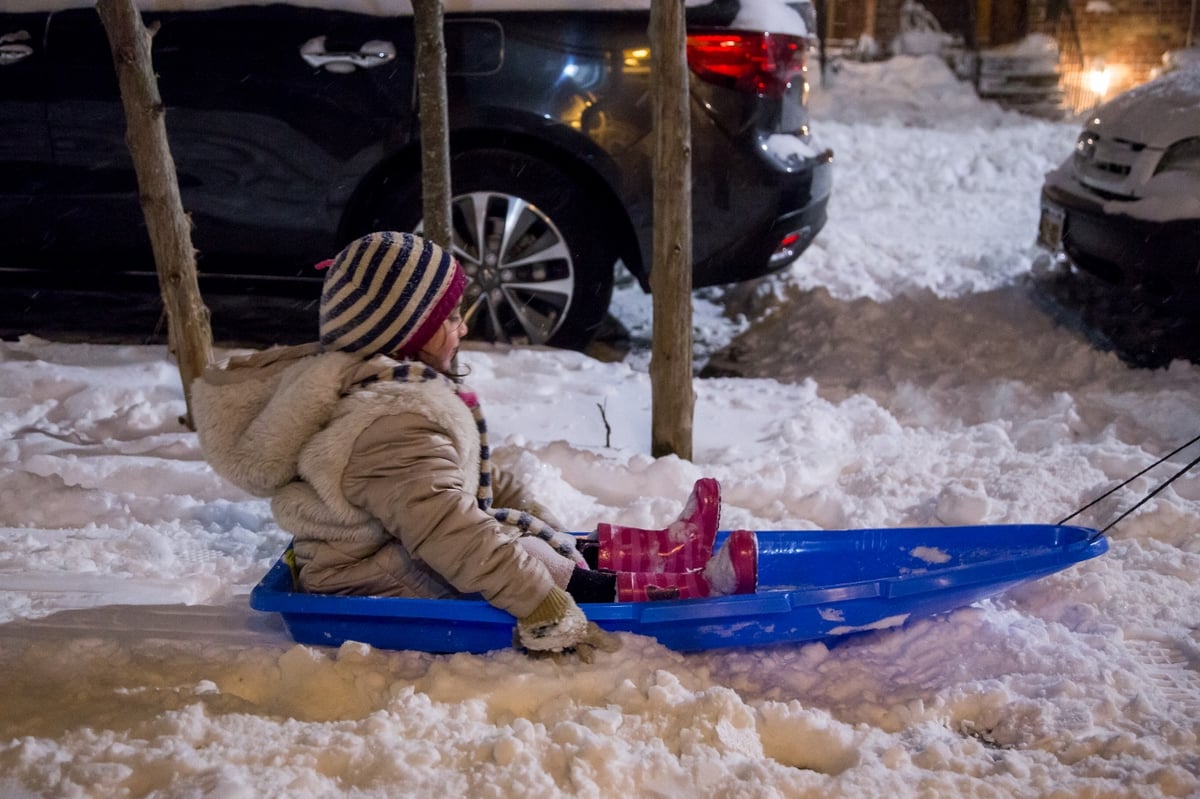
[(387, 293)]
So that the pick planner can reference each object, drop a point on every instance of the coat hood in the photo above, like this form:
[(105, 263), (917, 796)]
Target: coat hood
[(255, 413)]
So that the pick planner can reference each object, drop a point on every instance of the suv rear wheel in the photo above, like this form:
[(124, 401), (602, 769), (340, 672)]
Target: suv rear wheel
[(533, 244)]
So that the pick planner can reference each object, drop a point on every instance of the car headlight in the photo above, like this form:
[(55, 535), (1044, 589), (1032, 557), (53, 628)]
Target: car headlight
[(1182, 156), (1085, 147)]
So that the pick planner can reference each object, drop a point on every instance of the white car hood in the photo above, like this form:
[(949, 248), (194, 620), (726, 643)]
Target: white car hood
[(1156, 114)]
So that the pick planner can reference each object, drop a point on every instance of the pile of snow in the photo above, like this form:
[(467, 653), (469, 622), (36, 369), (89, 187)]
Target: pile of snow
[(902, 377)]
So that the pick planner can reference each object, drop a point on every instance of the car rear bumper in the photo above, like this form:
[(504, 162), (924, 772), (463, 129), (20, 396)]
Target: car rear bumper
[(1119, 248), (791, 211), (782, 243)]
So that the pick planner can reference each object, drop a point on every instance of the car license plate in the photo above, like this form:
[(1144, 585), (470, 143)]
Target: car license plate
[(1050, 228)]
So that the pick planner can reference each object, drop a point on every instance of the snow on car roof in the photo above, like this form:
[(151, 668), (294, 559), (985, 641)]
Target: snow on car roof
[(770, 15)]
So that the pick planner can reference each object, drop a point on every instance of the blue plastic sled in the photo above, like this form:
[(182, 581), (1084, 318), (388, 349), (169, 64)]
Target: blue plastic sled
[(812, 584)]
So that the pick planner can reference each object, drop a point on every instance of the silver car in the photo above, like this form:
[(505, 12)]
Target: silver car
[(1125, 205)]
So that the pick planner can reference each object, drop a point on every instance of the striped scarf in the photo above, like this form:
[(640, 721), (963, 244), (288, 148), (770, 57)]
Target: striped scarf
[(417, 372)]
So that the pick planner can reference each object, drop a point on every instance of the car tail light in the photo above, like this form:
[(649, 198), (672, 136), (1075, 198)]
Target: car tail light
[(753, 62), (791, 245)]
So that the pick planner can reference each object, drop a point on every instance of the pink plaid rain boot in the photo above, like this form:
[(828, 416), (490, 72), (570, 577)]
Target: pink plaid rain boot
[(733, 570), (684, 546)]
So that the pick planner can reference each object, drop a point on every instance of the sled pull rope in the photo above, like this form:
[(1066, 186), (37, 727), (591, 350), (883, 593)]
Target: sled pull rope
[(1144, 499)]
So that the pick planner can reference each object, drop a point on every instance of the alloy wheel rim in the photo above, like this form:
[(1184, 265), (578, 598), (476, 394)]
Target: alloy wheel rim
[(520, 270)]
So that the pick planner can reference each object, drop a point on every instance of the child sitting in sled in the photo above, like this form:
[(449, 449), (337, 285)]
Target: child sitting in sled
[(376, 459)]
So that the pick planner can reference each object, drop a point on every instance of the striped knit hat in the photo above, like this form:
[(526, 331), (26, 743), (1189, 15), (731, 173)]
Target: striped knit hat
[(388, 293)]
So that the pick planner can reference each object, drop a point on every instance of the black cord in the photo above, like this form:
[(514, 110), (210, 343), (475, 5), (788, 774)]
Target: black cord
[(1119, 486), (1145, 499)]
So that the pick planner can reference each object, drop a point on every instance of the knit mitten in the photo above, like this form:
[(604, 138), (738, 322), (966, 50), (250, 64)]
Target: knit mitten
[(594, 640), (555, 624)]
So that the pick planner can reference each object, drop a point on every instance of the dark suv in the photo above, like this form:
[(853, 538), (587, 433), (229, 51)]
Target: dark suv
[(295, 128)]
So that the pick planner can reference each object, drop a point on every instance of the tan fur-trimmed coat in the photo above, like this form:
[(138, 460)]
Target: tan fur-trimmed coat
[(377, 485)]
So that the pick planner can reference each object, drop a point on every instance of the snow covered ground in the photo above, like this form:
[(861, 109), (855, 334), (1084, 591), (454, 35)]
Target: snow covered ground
[(899, 374)]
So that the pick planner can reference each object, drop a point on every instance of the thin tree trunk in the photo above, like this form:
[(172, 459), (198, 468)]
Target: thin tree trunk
[(188, 330), (671, 391), (431, 98)]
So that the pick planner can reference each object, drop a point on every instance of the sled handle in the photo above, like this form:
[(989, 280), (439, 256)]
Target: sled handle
[(1144, 499)]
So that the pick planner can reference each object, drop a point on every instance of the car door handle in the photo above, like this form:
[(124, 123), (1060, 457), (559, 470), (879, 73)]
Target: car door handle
[(374, 53), (11, 48)]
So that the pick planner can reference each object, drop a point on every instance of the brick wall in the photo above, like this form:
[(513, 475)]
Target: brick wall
[(1130, 36)]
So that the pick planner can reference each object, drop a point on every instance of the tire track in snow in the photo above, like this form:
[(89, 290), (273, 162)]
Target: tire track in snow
[(1171, 673)]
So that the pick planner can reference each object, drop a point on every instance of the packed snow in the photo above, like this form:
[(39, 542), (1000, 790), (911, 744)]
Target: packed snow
[(899, 374)]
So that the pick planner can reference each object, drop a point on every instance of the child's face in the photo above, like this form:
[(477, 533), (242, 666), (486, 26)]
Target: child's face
[(439, 351)]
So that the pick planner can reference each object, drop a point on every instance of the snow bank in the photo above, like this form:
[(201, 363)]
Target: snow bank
[(903, 377)]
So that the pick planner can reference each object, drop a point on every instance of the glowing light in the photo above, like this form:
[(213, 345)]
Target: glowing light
[(1098, 78), (637, 58)]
